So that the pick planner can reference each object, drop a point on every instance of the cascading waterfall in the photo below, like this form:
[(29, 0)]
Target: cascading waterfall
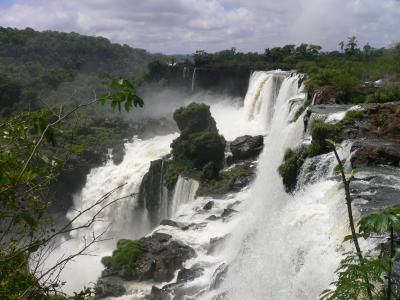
[(277, 246), (185, 192), (116, 221)]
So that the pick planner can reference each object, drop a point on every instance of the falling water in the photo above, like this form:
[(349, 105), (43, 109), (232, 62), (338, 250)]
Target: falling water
[(280, 246), (185, 192), (194, 78)]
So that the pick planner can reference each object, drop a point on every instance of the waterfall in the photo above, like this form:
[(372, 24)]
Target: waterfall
[(120, 220), (285, 246), (194, 78), (185, 192), (277, 246)]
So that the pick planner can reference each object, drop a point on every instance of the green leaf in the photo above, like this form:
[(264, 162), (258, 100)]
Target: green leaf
[(78, 148)]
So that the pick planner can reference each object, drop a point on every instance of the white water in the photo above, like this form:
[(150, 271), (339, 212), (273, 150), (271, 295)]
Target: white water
[(118, 220), (280, 246), (185, 192)]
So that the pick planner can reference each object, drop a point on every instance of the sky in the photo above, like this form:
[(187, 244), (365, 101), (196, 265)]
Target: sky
[(184, 26)]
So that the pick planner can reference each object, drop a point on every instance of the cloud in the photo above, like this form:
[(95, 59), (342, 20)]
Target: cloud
[(184, 26)]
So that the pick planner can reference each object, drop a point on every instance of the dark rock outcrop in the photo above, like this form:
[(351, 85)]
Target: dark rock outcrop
[(246, 146), (208, 205), (110, 287), (159, 258), (375, 152)]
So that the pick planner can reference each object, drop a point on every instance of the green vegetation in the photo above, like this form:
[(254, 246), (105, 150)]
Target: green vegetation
[(353, 115), (345, 71), (199, 147), (360, 276), (27, 169), (382, 119), (195, 117), (320, 132), (124, 257), (44, 68), (226, 180), (290, 167), (386, 95)]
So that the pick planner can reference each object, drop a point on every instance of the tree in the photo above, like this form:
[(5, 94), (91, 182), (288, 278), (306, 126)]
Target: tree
[(26, 231)]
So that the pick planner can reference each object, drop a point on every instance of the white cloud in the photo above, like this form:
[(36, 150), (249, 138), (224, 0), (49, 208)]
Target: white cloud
[(183, 26)]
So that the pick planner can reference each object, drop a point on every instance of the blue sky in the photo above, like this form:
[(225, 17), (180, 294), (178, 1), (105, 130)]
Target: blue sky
[(184, 26)]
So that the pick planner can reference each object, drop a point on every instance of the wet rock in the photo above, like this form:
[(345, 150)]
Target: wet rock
[(218, 276), (246, 146), (228, 212), (172, 223), (212, 218), (208, 205), (159, 258), (375, 153), (186, 275), (158, 294), (216, 243), (110, 287), (325, 95)]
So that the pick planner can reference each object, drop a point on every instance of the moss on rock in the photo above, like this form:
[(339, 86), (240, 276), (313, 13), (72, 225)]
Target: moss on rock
[(231, 180), (290, 167), (195, 117), (124, 257)]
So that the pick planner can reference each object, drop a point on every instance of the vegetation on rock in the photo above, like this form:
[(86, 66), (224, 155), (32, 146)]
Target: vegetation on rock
[(290, 167), (230, 180), (124, 257), (320, 132)]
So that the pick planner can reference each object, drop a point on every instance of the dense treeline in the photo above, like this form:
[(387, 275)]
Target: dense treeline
[(345, 70), (33, 63)]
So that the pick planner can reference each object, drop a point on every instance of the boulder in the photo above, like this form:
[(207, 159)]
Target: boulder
[(208, 205), (246, 146), (110, 287), (377, 153), (158, 259), (196, 117)]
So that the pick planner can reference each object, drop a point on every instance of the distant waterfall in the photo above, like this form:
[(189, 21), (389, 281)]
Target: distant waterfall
[(185, 192), (194, 78)]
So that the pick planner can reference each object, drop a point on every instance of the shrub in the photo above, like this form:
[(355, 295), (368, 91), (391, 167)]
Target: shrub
[(381, 119), (290, 167), (353, 115), (124, 257), (204, 147), (387, 95), (320, 132), (209, 171)]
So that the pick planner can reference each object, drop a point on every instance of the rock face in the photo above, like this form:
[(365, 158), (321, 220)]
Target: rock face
[(246, 146), (199, 148), (153, 191), (375, 153)]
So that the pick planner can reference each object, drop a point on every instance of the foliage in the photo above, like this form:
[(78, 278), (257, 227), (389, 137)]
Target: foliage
[(48, 67), (290, 167), (386, 95), (320, 132), (195, 117), (124, 257), (381, 119), (26, 170), (226, 180), (351, 282), (353, 115)]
